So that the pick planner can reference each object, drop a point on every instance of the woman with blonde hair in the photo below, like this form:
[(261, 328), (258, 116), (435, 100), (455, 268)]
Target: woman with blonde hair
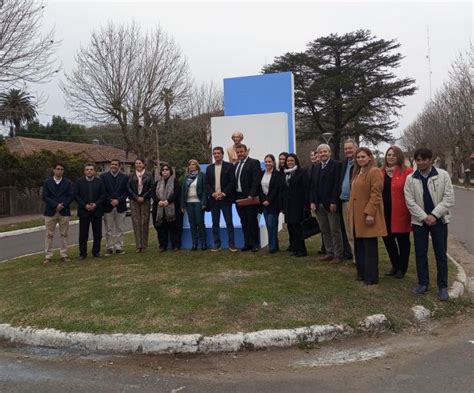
[(397, 216), (139, 187), (366, 215), (194, 200)]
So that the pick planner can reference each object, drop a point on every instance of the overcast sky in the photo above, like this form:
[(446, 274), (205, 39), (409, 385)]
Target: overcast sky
[(228, 39)]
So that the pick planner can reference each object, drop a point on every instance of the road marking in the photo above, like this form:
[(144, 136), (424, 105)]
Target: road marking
[(30, 230), (471, 341)]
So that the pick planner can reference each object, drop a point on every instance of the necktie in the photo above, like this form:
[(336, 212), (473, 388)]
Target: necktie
[(239, 168)]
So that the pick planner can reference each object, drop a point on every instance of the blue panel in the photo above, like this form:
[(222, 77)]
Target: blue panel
[(269, 93)]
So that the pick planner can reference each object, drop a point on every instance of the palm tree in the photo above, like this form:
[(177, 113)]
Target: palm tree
[(16, 108)]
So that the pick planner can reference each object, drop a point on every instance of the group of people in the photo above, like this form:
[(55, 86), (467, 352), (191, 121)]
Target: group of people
[(355, 202)]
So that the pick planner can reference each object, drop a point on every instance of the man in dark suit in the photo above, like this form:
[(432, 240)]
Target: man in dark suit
[(324, 196), (220, 186), (89, 193), (247, 178), (57, 194), (115, 207)]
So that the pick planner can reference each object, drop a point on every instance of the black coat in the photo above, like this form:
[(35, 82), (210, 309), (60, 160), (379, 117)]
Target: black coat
[(273, 195), (132, 186), (53, 194), (89, 192), (227, 182), (250, 176), (325, 184), (294, 197), (115, 188)]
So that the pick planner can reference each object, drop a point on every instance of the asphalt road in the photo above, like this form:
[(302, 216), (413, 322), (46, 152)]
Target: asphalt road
[(29, 243), (462, 224), (438, 359)]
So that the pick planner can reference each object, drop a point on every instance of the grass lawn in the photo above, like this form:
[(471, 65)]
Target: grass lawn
[(26, 224), (203, 292)]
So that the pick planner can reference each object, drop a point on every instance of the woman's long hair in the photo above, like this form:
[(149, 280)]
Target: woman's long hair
[(400, 157), (357, 168), (195, 162)]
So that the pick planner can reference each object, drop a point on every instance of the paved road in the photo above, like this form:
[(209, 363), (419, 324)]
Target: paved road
[(28, 243), (462, 225), (440, 359)]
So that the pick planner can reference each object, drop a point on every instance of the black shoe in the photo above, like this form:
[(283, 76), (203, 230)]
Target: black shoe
[(359, 278), (272, 251), (302, 254), (399, 274), (322, 252), (204, 247), (96, 255), (421, 289), (370, 282), (82, 257), (293, 254), (443, 294), (391, 273), (194, 248), (161, 249), (255, 249), (246, 248)]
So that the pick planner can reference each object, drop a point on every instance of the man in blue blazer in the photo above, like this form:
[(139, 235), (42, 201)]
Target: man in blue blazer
[(57, 194), (220, 187), (89, 193), (115, 207)]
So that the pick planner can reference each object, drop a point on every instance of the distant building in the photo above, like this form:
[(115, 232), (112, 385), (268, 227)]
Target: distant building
[(98, 154)]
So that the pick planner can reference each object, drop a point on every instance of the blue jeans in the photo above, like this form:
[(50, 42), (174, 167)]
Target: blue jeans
[(439, 237), (216, 216), (196, 223), (271, 221)]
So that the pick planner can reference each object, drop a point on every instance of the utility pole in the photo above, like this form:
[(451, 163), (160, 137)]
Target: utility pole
[(428, 57)]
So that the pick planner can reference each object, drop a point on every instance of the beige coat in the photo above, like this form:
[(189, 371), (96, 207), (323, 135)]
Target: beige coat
[(366, 200)]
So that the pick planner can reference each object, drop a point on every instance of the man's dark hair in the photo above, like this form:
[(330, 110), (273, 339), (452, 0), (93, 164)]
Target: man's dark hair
[(241, 146), (56, 164), (115, 160), (90, 164), (218, 148), (423, 153)]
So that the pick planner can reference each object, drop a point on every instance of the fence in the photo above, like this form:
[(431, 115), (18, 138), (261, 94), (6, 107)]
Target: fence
[(13, 203)]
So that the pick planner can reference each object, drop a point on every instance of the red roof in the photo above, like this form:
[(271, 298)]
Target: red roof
[(90, 152)]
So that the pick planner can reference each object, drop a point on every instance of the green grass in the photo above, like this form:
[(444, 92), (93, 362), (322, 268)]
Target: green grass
[(202, 292), (26, 224)]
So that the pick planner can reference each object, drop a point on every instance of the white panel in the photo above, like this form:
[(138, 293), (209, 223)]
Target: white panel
[(263, 134)]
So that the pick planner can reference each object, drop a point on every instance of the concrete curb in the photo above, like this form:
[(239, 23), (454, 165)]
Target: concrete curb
[(30, 230), (459, 285), (463, 188), (158, 343)]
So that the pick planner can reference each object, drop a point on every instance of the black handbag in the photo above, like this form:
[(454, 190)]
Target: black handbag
[(310, 227)]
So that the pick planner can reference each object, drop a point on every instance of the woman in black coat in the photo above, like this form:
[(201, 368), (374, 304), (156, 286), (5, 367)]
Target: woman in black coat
[(166, 213), (294, 202), (269, 196)]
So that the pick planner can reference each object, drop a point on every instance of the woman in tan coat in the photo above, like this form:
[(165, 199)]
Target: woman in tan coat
[(366, 215)]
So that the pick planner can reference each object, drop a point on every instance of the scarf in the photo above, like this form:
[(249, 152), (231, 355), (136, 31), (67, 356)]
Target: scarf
[(389, 171), (164, 189), (139, 176), (289, 173), (190, 177)]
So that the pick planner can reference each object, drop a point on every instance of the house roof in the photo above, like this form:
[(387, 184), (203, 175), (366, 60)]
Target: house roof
[(90, 152)]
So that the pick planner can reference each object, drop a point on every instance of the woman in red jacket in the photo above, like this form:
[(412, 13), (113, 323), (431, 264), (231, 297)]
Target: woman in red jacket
[(397, 216)]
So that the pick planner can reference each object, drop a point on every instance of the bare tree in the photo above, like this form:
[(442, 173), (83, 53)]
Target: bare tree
[(130, 78), (446, 123), (25, 53)]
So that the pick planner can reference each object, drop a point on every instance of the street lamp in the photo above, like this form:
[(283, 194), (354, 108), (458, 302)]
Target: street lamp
[(327, 136)]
